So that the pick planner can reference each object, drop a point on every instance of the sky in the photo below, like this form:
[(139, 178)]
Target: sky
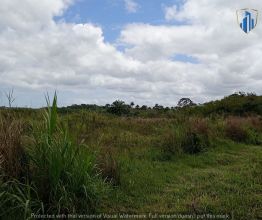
[(145, 51)]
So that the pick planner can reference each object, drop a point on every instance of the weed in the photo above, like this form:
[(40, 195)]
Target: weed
[(62, 175), (14, 161), (109, 166), (245, 130)]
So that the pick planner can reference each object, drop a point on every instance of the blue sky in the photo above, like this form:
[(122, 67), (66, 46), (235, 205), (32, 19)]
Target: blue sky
[(153, 51), (112, 15)]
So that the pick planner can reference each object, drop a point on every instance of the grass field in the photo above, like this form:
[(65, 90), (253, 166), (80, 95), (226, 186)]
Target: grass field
[(225, 180), (94, 162)]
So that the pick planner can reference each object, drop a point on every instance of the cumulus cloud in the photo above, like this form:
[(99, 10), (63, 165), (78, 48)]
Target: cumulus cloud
[(39, 54), (131, 6), (29, 14), (170, 12), (228, 58)]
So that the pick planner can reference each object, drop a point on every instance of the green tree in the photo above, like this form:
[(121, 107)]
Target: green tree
[(119, 107), (185, 102)]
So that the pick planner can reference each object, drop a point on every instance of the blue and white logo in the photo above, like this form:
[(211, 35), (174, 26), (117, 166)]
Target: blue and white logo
[(247, 19)]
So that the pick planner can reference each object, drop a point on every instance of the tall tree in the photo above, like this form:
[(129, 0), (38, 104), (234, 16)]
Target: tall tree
[(185, 102)]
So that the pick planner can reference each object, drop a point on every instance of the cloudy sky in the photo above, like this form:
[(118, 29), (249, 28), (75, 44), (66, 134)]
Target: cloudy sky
[(146, 51)]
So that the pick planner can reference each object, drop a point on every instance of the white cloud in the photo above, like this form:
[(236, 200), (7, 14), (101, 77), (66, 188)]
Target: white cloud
[(131, 6), (170, 12), (39, 54), (29, 14), (228, 58)]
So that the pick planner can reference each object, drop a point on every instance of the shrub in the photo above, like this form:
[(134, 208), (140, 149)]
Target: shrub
[(194, 144)]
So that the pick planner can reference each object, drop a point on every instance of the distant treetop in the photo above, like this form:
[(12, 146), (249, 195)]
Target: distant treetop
[(185, 102)]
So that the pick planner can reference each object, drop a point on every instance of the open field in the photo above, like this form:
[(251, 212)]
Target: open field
[(225, 180), (131, 109), (61, 161)]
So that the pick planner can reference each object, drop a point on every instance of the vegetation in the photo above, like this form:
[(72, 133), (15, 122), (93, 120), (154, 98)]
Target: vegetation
[(58, 175), (125, 158)]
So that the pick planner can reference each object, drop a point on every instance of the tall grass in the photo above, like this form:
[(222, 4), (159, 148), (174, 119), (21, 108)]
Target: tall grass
[(62, 176), (190, 136), (245, 130), (54, 170), (109, 166), (11, 151)]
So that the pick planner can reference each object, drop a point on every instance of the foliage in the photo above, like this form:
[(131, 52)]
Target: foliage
[(198, 159), (62, 176), (119, 108), (238, 104), (185, 102)]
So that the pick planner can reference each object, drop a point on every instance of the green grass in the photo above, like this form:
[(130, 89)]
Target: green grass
[(61, 175), (91, 162), (224, 180)]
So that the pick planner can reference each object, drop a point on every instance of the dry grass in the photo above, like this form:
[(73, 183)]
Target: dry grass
[(109, 166), (11, 151), (255, 122), (235, 129), (199, 126)]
